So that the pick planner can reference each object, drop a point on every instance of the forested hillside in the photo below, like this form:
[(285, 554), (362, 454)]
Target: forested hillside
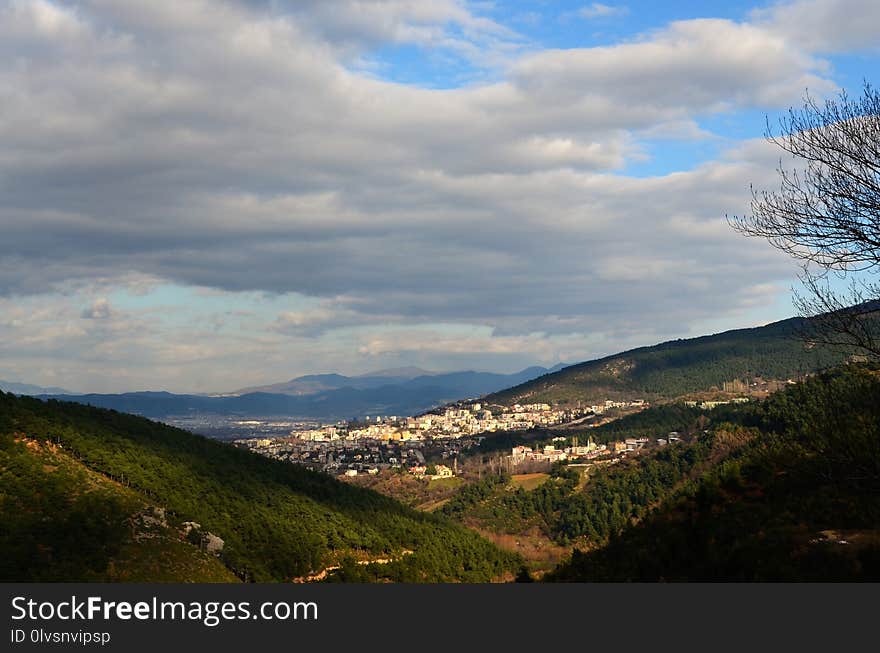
[(569, 512), (60, 521), (678, 367), (799, 501), (787, 488), (278, 521)]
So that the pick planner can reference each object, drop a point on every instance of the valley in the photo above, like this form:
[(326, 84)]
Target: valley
[(476, 490)]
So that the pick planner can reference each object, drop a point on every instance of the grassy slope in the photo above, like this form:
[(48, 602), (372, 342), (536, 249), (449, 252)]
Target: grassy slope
[(678, 367), (279, 521), (61, 521), (420, 493)]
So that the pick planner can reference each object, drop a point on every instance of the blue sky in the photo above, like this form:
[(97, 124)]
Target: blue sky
[(568, 25), (201, 196)]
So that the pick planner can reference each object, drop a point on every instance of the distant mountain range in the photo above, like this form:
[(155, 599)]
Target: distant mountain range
[(312, 383), (28, 389), (665, 371), (672, 369), (320, 396)]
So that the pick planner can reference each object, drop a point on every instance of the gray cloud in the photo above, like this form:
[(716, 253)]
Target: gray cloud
[(99, 309), (825, 26), (232, 146)]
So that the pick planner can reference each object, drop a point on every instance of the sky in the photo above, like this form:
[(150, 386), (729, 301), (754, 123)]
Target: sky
[(201, 195)]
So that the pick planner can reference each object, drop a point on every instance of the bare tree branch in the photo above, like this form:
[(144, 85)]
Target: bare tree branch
[(826, 213)]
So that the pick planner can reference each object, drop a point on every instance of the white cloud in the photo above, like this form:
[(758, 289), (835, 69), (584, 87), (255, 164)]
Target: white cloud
[(690, 67), (230, 146), (599, 10), (825, 26)]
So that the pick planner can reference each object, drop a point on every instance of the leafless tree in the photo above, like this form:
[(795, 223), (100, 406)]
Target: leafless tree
[(826, 214)]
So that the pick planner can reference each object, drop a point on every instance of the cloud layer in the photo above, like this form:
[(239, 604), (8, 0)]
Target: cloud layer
[(241, 147)]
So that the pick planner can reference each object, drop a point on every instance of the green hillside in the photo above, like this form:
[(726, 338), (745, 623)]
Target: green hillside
[(61, 521), (799, 500), (679, 367), (278, 521), (568, 511)]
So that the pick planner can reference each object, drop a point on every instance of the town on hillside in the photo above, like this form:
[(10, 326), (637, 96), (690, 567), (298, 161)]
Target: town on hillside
[(430, 445)]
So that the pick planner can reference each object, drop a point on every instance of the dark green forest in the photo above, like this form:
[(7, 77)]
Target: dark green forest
[(800, 500), (60, 521), (610, 500), (787, 488), (278, 521), (49, 528)]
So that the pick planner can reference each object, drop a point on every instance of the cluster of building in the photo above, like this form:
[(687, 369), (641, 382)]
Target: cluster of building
[(591, 452), (470, 419), (456, 422), (364, 455), (709, 405), (349, 456), (376, 443), (598, 409), (437, 471)]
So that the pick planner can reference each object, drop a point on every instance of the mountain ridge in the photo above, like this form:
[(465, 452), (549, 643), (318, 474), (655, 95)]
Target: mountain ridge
[(677, 367), (380, 396), (19, 388), (314, 383)]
